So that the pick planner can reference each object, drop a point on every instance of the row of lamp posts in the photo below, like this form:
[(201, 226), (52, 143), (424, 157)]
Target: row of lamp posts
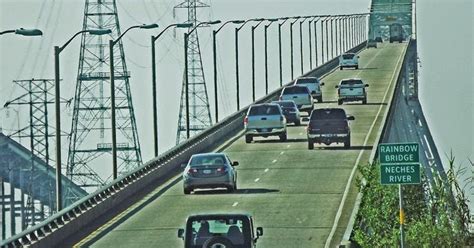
[(348, 22)]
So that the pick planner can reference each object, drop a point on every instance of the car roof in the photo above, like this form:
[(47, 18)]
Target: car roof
[(208, 154), (223, 215), (326, 109), (283, 101), (295, 86), (351, 79), (348, 54), (307, 78)]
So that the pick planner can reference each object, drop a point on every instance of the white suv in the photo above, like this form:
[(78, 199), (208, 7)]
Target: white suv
[(349, 60)]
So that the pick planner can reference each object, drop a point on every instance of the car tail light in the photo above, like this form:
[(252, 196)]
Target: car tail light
[(221, 170), (246, 120), (192, 171)]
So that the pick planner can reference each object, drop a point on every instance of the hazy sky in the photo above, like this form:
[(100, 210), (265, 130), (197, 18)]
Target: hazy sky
[(445, 44)]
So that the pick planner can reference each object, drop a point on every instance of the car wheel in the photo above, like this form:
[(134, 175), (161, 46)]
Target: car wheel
[(310, 145), (320, 99), (347, 142), (186, 191), (283, 136), (357, 67), (217, 241), (297, 123), (364, 101), (340, 67), (248, 139), (339, 102)]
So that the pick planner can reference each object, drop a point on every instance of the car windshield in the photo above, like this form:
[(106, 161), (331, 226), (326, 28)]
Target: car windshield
[(348, 56), (234, 230), (328, 114), (352, 83), (295, 90), (287, 104), (207, 160), (264, 110), (307, 81)]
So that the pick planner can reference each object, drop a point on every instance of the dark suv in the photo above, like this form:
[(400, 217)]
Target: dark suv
[(220, 230), (329, 125)]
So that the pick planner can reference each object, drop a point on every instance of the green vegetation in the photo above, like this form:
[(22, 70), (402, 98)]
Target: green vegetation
[(435, 215)]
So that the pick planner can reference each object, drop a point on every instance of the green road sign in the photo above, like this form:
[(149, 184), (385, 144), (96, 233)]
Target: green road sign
[(399, 153), (400, 173)]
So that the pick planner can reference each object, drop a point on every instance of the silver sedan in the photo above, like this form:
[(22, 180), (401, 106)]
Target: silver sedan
[(210, 170)]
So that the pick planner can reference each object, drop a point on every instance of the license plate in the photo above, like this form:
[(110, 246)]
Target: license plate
[(206, 171)]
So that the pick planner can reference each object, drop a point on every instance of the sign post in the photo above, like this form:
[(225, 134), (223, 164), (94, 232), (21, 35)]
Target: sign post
[(399, 164)]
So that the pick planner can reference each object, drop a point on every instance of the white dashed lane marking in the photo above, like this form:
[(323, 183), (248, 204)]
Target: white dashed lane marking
[(235, 204), (281, 153), (266, 170), (274, 161), (288, 146), (256, 180)]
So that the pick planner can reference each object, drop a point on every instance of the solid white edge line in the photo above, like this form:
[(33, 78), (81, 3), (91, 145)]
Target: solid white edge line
[(346, 190)]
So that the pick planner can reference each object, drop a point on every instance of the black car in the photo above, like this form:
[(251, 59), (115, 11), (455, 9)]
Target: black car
[(291, 112), (329, 125)]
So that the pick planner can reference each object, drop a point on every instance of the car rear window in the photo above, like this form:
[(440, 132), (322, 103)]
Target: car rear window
[(352, 83), (207, 160), (295, 90), (328, 114), (286, 104), (348, 56), (307, 81), (264, 110)]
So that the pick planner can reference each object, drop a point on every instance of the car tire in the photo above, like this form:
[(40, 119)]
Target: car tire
[(310, 145), (320, 99), (340, 67), (248, 139), (357, 67), (347, 142), (364, 101), (297, 123), (187, 191), (217, 240), (283, 136), (339, 102)]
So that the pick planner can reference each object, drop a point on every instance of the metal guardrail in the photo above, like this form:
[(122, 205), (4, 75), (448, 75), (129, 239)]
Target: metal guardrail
[(89, 213)]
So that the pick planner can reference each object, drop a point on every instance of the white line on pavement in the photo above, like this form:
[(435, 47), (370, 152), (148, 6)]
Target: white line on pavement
[(274, 161), (235, 204), (281, 153), (256, 180), (288, 146), (266, 170)]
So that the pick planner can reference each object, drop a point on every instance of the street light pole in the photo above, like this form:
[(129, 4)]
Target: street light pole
[(310, 44), (253, 58), (332, 38), (291, 44), (153, 75), (301, 44), (57, 93), (112, 94), (214, 55), (279, 50), (266, 52)]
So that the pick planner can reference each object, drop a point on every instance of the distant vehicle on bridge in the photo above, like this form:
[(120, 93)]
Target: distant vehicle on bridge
[(396, 33), (265, 120), (371, 43), (349, 60), (352, 89), (301, 95), (329, 125), (291, 112), (314, 86), (210, 170), (220, 230)]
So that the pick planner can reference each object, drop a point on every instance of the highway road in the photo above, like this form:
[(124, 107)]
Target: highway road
[(294, 193)]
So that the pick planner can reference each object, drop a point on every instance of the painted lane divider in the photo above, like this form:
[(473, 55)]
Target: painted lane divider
[(274, 161), (235, 204), (281, 153), (256, 180), (266, 170)]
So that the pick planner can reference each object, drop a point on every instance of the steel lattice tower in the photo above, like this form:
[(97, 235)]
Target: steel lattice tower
[(199, 112), (89, 159)]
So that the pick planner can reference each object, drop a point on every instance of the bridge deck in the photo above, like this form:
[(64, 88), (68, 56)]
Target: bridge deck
[(292, 192)]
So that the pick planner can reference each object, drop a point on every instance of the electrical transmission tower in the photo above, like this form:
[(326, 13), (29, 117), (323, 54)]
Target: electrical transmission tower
[(36, 98), (199, 112), (89, 159)]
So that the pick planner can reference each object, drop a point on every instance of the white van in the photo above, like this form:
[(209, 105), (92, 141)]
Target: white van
[(349, 60)]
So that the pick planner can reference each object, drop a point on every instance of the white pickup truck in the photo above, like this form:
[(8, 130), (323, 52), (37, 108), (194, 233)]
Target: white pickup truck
[(314, 86), (349, 60), (300, 95), (352, 89), (265, 120)]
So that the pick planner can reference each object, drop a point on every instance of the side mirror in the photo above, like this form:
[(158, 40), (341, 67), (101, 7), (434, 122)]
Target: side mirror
[(181, 233), (350, 118), (235, 163), (321, 84), (305, 119), (337, 86), (183, 165), (259, 231), (366, 85)]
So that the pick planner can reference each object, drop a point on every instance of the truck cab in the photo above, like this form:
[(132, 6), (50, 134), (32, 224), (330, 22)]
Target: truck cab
[(352, 89), (220, 230), (396, 33), (265, 120)]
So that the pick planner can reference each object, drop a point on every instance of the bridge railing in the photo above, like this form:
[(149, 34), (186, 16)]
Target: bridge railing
[(86, 215)]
